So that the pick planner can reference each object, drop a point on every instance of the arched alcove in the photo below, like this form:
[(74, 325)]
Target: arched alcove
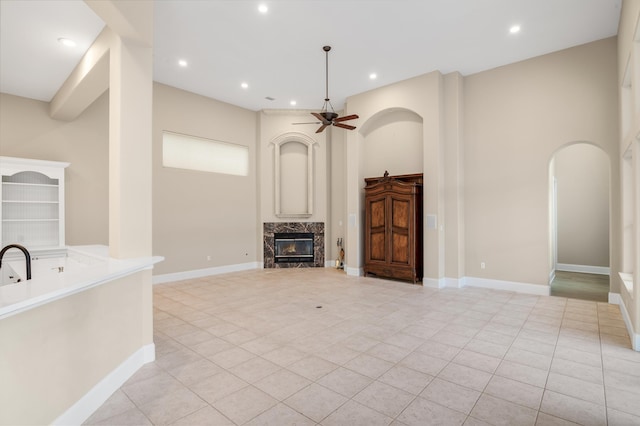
[(293, 175), (392, 140), (579, 217)]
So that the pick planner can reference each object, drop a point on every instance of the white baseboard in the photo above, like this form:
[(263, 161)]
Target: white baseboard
[(434, 282), (199, 273), (331, 264), (614, 298), (540, 290), (635, 337), (585, 269), (79, 412), (455, 282), (354, 272)]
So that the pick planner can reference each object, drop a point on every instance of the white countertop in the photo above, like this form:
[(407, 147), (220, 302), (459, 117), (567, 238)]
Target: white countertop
[(98, 268)]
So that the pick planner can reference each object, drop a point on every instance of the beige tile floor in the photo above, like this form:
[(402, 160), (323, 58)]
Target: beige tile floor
[(313, 346)]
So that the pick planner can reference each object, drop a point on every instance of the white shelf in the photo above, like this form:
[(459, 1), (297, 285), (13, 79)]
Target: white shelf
[(30, 202), (29, 184), (30, 220), (32, 194)]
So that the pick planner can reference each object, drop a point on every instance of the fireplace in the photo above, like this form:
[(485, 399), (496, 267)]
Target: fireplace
[(294, 247)]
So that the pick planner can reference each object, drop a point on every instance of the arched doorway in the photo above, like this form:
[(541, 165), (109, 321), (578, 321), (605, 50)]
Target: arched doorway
[(579, 189)]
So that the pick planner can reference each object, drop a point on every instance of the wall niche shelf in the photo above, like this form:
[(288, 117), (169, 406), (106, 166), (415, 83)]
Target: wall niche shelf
[(32, 194), (292, 198)]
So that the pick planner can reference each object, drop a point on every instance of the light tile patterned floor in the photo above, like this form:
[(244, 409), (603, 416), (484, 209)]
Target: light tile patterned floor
[(313, 346)]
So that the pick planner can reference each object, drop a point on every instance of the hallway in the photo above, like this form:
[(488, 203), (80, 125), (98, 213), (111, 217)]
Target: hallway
[(581, 286)]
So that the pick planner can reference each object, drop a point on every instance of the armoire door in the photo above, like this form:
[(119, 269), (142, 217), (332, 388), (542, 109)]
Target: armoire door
[(400, 230), (377, 238)]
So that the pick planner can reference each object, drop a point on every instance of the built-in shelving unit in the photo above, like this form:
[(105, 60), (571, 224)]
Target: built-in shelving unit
[(32, 194)]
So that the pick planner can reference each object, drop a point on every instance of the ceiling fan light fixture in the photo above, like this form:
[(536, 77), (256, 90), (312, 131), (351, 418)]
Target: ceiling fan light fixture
[(328, 117)]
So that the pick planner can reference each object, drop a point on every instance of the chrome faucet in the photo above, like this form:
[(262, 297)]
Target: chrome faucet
[(27, 256)]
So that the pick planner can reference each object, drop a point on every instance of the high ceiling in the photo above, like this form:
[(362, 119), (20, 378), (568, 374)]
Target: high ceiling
[(279, 53)]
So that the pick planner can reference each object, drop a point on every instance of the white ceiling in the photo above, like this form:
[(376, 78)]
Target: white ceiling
[(279, 54)]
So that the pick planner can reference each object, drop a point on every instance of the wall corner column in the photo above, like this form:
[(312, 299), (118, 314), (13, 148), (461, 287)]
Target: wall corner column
[(130, 124)]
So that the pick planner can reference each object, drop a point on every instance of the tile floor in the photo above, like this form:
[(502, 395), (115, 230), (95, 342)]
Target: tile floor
[(313, 346)]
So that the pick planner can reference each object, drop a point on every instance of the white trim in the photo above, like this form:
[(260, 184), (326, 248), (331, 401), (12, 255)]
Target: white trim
[(627, 281), (585, 269), (615, 299), (635, 337), (304, 139), (79, 412), (434, 282), (199, 273), (331, 264), (354, 272), (455, 282), (552, 276), (540, 290)]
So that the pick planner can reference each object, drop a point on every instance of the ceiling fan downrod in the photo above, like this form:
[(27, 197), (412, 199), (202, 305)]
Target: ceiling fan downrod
[(327, 101), (330, 117)]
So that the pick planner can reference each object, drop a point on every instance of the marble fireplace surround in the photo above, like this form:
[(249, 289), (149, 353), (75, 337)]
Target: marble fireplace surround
[(271, 228)]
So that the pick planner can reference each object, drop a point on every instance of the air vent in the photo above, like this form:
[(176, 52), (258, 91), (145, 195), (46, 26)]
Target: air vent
[(269, 98)]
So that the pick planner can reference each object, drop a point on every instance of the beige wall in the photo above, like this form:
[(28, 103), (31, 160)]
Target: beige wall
[(582, 173), (199, 214), (54, 354), (453, 105), (275, 124), (393, 143), (27, 131), (338, 199), (196, 214), (516, 117), (421, 96), (629, 67)]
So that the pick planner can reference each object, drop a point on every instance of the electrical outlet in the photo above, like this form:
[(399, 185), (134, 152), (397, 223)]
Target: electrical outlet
[(482, 265), (208, 257)]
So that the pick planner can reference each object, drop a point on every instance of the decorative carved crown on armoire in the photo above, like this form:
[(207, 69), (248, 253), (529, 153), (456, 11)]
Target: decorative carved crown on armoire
[(393, 227)]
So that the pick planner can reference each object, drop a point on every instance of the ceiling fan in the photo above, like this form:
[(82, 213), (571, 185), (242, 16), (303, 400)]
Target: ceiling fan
[(330, 117)]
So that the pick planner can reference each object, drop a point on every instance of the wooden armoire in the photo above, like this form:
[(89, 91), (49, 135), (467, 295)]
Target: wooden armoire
[(393, 227)]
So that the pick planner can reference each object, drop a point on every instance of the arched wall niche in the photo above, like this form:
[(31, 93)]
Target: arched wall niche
[(293, 175), (580, 208), (392, 140)]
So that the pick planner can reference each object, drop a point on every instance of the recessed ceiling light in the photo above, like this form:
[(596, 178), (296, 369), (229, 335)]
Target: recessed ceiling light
[(514, 29), (67, 42), (244, 85), (262, 8), (373, 76), (293, 103), (182, 63)]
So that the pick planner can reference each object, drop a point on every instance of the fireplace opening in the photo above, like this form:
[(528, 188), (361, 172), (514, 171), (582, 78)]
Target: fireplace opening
[(293, 247)]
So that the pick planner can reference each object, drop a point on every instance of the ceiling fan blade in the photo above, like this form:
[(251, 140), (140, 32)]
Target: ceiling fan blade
[(346, 117), (309, 122), (321, 128), (344, 126), (318, 116)]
